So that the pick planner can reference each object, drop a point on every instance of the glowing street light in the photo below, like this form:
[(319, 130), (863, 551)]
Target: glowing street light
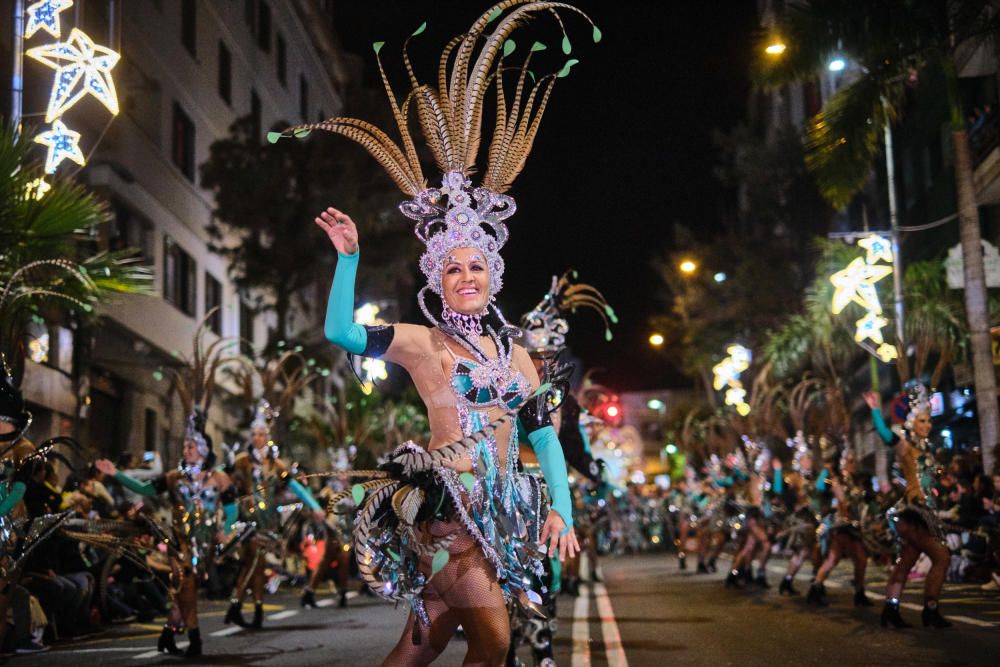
[(655, 404), (776, 47), (688, 267), (837, 65), (656, 339), (720, 277)]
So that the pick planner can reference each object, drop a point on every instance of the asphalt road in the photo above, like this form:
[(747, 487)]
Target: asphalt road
[(647, 612)]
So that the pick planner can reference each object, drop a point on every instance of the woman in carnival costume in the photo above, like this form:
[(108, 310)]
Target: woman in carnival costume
[(202, 498), (916, 525), (454, 529), (261, 477), (802, 497), (545, 328)]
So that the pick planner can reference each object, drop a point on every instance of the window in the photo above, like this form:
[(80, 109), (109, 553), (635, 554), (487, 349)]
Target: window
[(255, 122), (303, 98), (150, 431), (264, 26), (182, 146), (246, 328), (282, 60), (179, 271), (225, 73), (128, 229), (213, 299), (189, 23)]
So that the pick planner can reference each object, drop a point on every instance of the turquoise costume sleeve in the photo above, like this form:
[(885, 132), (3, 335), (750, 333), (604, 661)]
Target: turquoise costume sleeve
[(142, 488), (884, 432), (549, 453), (13, 498), (821, 480), (779, 481), (232, 514), (340, 328), (303, 494)]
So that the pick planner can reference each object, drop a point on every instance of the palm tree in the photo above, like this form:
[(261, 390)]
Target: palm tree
[(895, 42), (934, 320), (47, 263)]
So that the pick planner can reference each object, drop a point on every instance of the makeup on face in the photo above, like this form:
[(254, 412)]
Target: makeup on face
[(465, 281)]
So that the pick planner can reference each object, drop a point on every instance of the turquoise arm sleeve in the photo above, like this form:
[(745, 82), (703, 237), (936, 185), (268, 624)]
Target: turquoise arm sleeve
[(303, 494), (142, 488), (13, 498), (232, 514), (779, 481), (549, 453), (883, 431), (821, 480), (339, 327)]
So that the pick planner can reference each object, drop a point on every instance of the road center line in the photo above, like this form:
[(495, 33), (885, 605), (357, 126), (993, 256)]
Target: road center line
[(282, 615), (609, 628), (581, 628), (154, 652), (225, 632)]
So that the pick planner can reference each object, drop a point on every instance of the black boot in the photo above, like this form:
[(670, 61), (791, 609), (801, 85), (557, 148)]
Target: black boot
[(860, 599), (746, 574), (787, 587), (711, 565), (235, 614), (761, 580), (166, 643), (890, 614), (817, 595), (931, 616), (701, 568), (733, 579), (682, 561), (258, 616), (194, 648), (343, 599), (308, 598)]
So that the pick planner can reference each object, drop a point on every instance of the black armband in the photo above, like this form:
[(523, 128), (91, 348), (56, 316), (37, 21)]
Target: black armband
[(534, 415), (229, 495), (379, 338)]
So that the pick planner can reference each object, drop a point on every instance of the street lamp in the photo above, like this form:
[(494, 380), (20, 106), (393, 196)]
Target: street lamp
[(837, 64), (776, 47), (656, 339), (688, 267), (720, 277)]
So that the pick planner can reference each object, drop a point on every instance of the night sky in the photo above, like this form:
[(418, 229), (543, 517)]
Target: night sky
[(624, 149)]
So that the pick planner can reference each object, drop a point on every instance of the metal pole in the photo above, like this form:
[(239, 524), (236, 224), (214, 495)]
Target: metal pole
[(897, 273), (17, 75)]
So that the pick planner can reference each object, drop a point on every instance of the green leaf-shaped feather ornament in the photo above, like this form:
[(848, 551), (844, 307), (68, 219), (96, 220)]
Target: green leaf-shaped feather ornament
[(468, 480), (357, 493), (423, 26), (565, 70), (441, 558)]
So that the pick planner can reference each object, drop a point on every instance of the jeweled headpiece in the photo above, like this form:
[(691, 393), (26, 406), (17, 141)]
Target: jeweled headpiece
[(545, 326), (263, 416), (918, 401), (194, 431), (450, 115)]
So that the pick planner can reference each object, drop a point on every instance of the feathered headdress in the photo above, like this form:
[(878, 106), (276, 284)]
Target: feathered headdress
[(450, 115), (195, 382), (545, 326), (280, 381)]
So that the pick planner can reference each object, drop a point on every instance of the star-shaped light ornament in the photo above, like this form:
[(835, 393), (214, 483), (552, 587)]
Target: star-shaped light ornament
[(856, 283), (870, 328), (876, 248), (887, 353), (82, 68), (44, 15), (63, 143)]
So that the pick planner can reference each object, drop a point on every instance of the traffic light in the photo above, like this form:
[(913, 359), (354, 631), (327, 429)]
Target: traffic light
[(609, 411)]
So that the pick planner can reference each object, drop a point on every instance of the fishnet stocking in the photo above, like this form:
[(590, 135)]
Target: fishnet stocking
[(465, 592)]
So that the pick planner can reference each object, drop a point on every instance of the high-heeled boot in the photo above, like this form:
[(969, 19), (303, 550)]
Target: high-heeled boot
[(343, 598), (860, 599), (258, 616), (235, 614), (308, 598), (931, 616), (733, 579), (890, 614), (194, 648), (817, 595), (166, 643), (761, 580), (787, 587)]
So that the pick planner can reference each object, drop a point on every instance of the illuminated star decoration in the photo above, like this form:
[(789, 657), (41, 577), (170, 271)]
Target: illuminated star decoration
[(856, 283), (887, 352), (63, 143), (870, 328), (45, 15), (82, 68), (37, 189), (727, 375), (877, 248), (374, 370)]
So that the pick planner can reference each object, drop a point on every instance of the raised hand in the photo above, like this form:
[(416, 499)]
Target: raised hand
[(341, 230), (873, 400), (106, 467)]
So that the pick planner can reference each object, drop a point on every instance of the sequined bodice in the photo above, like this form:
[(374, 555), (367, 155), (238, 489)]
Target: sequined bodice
[(482, 386), (196, 495)]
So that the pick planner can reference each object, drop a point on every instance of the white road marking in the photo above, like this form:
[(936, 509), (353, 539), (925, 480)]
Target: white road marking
[(154, 652), (609, 628), (581, 628), (282, 615), (225, 632), (326, 602)]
